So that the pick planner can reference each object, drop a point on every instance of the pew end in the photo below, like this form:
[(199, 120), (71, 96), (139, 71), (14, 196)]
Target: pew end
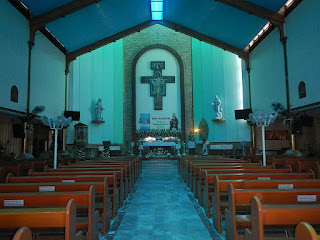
[(304, 231), (23, 233)]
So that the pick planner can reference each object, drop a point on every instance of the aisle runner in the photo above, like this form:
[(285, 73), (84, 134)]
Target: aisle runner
[(160, 208)]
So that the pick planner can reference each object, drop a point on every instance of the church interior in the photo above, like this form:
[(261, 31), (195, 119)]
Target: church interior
[(159, 119)]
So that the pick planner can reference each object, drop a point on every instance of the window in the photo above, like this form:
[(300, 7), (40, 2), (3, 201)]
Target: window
[(14, 94), (157, 10), (302, 90)]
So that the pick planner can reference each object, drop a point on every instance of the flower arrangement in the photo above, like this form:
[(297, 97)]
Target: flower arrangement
[(191, 137), (141, 134), (158, 153)]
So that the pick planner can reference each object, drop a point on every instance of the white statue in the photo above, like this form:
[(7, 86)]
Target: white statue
[(217, 108), (205, 148), (98, 110)]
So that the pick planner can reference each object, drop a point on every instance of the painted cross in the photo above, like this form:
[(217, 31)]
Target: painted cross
[(158, 83)]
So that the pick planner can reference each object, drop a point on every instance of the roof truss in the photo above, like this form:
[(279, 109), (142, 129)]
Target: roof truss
[(242, 54), (273, 17), (40, 21), (73, 55)]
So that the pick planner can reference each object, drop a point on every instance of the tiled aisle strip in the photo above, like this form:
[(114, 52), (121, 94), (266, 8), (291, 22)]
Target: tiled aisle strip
[(161, 208)]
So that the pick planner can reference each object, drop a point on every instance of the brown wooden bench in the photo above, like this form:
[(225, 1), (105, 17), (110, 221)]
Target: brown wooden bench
[(221, 188), (197, 174), (199, 185), (263, 215), (239, 199), (128, 179), (184, 162), (187, 166), (304, 231), (103, 201), (84, 200), (46, 219), (123, 181), (112, 180), (23, 233), (119, 183), (208, 189), (192, 174)]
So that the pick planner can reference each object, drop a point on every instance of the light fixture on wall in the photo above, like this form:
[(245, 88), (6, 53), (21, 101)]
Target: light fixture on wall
[(56, 124), (262, 120)]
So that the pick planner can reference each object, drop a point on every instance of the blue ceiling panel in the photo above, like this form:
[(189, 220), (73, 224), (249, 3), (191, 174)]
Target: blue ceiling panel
[(99, 21), (216, 20), (40, 7), (273, 5)]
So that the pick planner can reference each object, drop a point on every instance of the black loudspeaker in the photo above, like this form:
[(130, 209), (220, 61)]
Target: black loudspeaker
[(296, 127), (18, 131), (73, 114), (242, 114), (307, 121)]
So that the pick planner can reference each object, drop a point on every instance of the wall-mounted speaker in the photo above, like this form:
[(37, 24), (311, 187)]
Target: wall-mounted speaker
[(243, 113), (18, 131), (75, 115)]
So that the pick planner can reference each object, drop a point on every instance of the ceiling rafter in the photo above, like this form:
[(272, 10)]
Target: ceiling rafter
[(242, 54), (273, 17), (39, 22), (73, 55)]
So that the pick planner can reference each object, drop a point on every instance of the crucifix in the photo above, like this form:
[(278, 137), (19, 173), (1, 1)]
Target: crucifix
[(158, 83)]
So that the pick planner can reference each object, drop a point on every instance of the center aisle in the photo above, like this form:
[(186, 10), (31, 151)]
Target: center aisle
[(161, 208)]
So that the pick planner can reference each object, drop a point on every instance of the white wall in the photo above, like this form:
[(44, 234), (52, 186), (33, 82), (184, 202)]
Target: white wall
[(172, 100), (303, 31), (14, 32), (267, 74), (47, 86), (98, 74)]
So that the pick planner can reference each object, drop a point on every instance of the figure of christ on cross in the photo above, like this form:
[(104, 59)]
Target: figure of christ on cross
[(158, 83)]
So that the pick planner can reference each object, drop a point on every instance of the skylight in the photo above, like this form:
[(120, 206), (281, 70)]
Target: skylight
[(157, 10)]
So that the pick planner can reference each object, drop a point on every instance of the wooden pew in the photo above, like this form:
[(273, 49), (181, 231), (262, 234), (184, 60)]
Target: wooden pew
[(263, 215), (123, 184), (46, 219), (239, 199), (197, 175), (83, 199), (119, 183), (209, 181), (112, 180), (102, 205), (23, 233), (304, 231), (194, 166), (221, 188), (187, 166), (199, 185)]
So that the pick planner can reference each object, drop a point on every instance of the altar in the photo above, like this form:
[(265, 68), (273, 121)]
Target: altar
[(149, 146)]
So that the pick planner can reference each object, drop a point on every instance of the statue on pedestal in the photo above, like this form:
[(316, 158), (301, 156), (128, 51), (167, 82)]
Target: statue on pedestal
[(217, 108), (98, 109), (174, 122), (205, 148)]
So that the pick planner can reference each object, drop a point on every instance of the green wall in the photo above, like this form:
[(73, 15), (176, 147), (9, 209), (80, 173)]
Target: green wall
[(98, 74), (218, 72)]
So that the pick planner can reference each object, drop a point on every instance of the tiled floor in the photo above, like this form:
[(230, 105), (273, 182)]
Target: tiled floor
[(161, 207)]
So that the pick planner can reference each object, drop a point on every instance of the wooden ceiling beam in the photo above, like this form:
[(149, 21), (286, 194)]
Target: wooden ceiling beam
[(39, 22), (73, 55), (273, 17), (242, 54)]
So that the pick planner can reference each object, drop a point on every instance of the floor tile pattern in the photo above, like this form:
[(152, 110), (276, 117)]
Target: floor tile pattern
[(161, 207)]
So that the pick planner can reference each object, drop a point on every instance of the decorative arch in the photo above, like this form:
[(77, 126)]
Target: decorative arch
[(182, 95), (302, 90), (14, 96)]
